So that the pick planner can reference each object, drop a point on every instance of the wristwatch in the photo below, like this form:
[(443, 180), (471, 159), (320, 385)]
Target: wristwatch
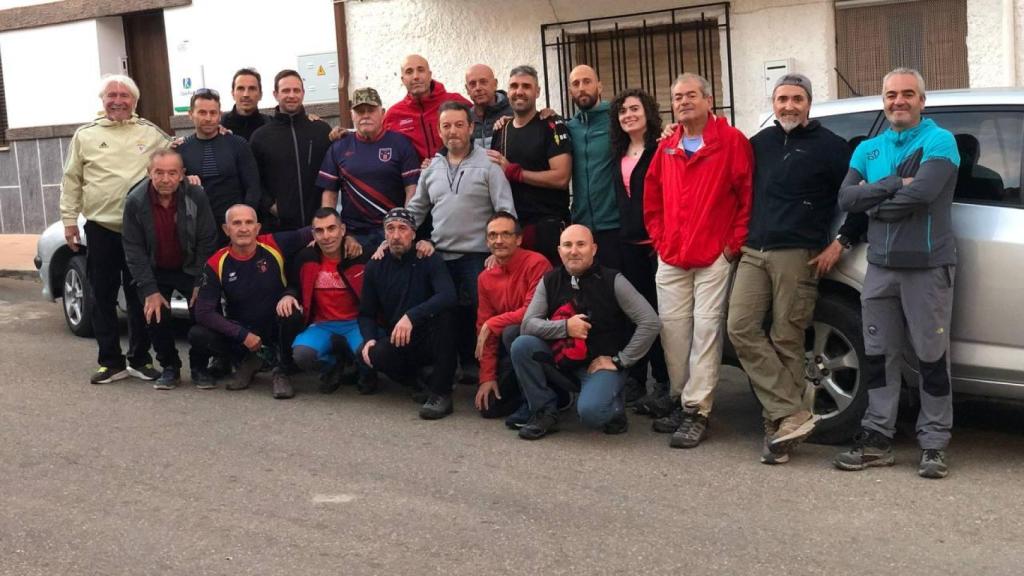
[(846, 243), (618, 362)]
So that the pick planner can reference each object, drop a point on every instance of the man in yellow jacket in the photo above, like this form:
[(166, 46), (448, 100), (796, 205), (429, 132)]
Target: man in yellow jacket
[(106, 158)]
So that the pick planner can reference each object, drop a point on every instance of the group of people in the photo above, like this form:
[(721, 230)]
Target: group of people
[(439, 237)]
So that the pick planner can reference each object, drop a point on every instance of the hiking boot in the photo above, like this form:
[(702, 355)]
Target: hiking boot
[(793, 430), (436, 407), (656, 404), (670, 423), (146, 372), (692, 430), (106, 375), (281, 385), (767, 456), (617, 425), (220, 367), (330, 380), (202, 380), (933, 464), (247, 370), (519, 418), (870, 448), (633, 391), (539, 426), (368, 383), (168, 379)]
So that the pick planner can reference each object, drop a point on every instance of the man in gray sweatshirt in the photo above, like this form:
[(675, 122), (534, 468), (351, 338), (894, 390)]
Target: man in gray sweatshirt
[(460, 191)]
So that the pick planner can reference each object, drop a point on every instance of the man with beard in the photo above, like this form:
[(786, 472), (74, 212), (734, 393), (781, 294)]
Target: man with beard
[(594, 203), (535, 155), (489, 103), (416, 115), (798, 168)]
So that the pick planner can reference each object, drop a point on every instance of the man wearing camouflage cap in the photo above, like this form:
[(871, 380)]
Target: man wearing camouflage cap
[(365, 176)]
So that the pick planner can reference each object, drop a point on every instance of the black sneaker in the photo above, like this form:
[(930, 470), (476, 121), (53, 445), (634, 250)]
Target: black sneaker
[(281, 385), (436, 407), (539, 426), (168, 379), (657, 404), (106, 375), (145, 372), (633, 391), (933, 464), (618, 425), (519, 418), (330, 380), (669, 424), (247, 370), (692, 431), (220, 367), (203, 380), (368, 383), (870, 448)]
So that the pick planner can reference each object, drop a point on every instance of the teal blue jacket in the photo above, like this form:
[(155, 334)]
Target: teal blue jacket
[(593, 192)]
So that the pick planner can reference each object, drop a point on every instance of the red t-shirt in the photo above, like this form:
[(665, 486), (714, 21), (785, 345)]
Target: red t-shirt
[(333, 299), (168, 254)]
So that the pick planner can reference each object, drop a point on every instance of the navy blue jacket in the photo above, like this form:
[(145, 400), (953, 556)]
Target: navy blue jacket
[(238, 181), (393, 287)]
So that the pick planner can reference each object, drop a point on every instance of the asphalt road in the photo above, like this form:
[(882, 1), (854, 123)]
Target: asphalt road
[(121, 479)]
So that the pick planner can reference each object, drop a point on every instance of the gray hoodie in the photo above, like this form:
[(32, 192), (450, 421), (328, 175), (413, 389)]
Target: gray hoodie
[(460, 201)]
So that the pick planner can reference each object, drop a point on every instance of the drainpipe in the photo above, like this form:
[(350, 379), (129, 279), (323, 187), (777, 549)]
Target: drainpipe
[(1010, 39), (341, 39)]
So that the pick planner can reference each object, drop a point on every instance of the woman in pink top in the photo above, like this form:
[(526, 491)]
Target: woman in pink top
[(634, 129)]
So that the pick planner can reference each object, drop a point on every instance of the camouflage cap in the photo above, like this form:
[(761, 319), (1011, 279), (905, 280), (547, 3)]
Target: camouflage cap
[(365, 96)]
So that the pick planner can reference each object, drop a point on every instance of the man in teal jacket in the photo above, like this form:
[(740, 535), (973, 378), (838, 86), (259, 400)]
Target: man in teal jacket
[(593, 193)]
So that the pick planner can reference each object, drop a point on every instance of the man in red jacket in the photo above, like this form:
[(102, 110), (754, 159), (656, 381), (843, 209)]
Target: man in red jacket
[(696, 207), (504, 293), (416, 115)]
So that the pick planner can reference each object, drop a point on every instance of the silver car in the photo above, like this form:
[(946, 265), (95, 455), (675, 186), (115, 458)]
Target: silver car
[(987, 336)]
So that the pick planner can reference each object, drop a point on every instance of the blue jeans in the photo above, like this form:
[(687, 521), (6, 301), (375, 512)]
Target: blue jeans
[(600, 397), (464, 272), (318, 337)]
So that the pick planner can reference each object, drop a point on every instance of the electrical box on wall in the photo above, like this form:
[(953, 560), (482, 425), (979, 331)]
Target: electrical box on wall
[(773, 70), (319, 76)]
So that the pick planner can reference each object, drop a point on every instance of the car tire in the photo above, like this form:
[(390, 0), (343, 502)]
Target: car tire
[(834, 368), (77, 298)]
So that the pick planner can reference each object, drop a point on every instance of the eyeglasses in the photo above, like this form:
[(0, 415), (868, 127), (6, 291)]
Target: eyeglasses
[(503, 235)]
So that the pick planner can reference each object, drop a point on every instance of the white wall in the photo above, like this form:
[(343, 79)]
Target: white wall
[(211, 39), (991, 34), (51, 74), (110, 41)]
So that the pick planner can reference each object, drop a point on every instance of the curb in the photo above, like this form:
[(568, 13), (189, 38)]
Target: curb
[(20, 274)]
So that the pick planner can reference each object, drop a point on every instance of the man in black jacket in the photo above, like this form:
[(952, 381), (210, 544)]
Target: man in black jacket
[(405, 314), (289, 150), (799, 167), (245, 116), (168, 234), (224, 162)]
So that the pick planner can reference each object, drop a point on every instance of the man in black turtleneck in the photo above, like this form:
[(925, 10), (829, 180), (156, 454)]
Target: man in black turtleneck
[(245, 116), (289, 150)]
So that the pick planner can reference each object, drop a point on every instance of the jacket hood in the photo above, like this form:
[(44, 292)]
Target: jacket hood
[(437, 90), (500, 101), (102, 120), (599, 108)]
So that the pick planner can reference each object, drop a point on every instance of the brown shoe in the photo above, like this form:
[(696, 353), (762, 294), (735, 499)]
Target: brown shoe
[(793, 430), (247, 370), (282, 386)]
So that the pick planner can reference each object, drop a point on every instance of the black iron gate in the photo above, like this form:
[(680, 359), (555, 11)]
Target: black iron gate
[(645, 50)]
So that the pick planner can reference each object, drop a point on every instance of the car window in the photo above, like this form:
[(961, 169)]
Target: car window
[(854, 127), (990, 143)]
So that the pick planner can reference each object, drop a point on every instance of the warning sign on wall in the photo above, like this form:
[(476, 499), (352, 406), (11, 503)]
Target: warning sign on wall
[(320, 71)]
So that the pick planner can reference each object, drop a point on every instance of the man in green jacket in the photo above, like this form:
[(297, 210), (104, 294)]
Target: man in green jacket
[(593, 193)]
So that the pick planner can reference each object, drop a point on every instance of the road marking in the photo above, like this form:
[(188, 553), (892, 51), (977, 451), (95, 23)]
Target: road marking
[(333, 498)]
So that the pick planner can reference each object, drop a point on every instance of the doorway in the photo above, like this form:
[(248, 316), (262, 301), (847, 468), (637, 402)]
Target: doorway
[(146, 46)]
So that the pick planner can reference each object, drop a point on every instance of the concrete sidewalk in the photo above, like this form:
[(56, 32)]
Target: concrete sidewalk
[(16, 254)]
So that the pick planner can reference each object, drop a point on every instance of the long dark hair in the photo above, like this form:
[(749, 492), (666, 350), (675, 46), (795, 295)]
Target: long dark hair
[(620, 140)]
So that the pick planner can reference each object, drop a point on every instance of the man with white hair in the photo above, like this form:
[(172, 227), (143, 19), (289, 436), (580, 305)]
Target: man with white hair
[(106, 157)]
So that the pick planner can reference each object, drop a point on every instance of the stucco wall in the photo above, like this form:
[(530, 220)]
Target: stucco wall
[(991, 34)]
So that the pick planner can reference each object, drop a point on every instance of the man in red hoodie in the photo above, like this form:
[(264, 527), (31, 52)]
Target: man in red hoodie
[(416, 115), (696, 207)]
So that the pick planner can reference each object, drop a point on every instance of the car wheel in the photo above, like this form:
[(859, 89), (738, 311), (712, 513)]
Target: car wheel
[(77, 298), (833, 369)]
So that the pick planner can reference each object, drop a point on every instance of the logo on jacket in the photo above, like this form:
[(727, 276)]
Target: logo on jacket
[(261, 265), (104, 145), (384, 154), (873, 155), (141, 146)]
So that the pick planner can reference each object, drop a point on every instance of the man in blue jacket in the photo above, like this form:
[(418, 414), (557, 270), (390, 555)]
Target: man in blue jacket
[(904, 180), (405, 314)]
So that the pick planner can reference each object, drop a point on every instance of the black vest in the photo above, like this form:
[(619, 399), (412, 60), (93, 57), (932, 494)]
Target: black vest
[(610, 328)]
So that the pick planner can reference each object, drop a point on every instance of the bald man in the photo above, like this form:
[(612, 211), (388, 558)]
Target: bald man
[(594, 202), (416, 115), (592, 325), (489, 103)]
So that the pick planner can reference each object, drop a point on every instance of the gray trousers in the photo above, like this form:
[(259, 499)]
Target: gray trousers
[(897, 304)]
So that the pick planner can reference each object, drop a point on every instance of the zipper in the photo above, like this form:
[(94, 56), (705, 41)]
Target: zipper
[(298, 171)]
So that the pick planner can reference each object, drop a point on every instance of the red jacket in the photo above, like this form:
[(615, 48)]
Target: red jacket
[(418, 119), (305, 270), (695, 207), (504, 293)]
